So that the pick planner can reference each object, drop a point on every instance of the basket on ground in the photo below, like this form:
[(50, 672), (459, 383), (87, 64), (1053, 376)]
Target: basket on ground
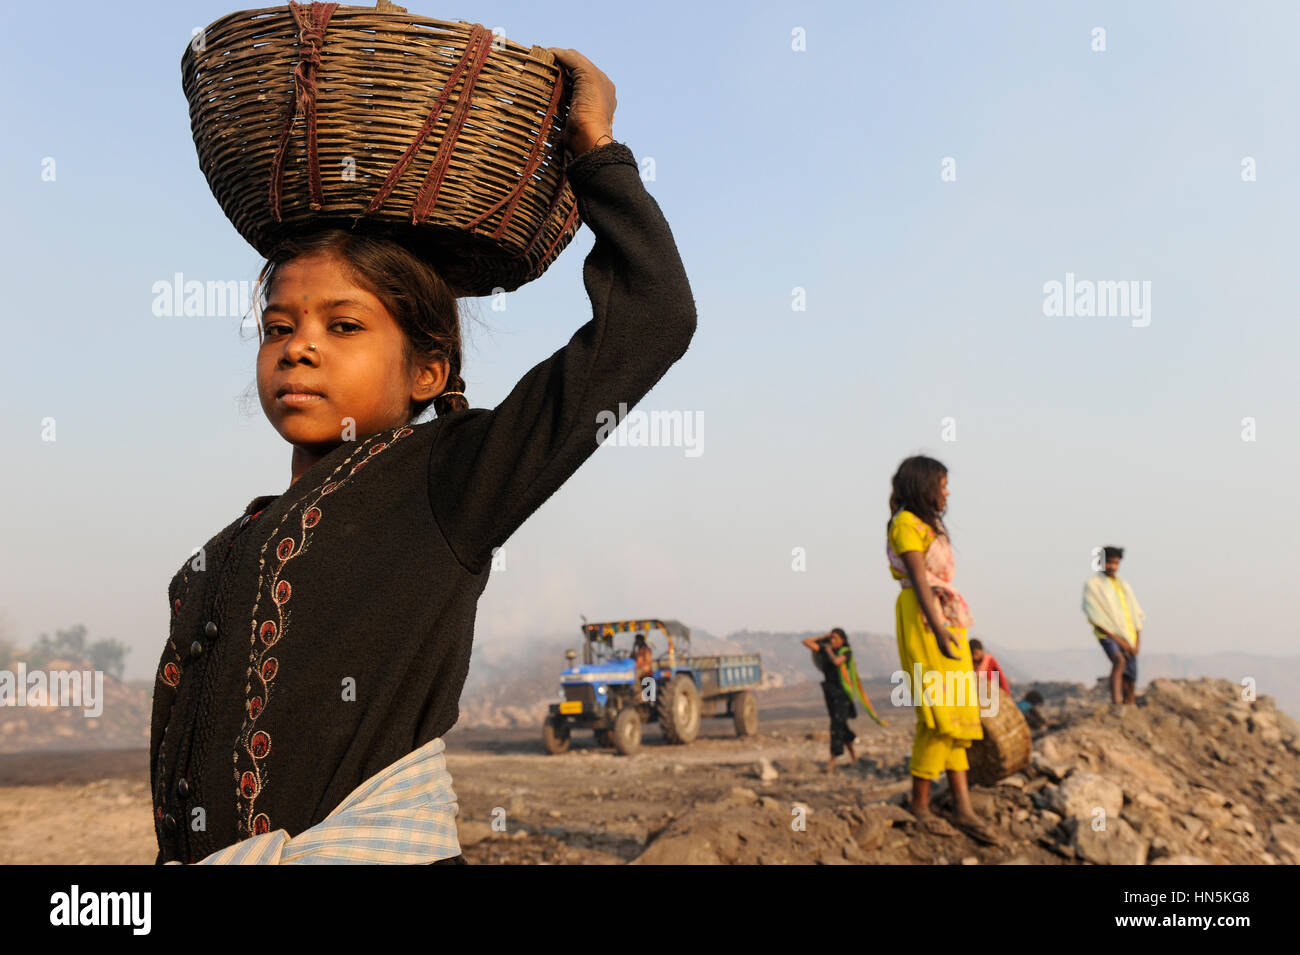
[(440, 134), (1006, 747)]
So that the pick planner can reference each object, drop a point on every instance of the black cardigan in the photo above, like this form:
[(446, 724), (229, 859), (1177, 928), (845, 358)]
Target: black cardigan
[(328, 637)]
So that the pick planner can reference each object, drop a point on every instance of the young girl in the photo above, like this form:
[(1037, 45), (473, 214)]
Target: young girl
[(931, 617), (319, 643), (840, 684), (830, 652)]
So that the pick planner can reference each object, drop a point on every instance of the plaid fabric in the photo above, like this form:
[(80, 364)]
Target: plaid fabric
[(403, 814)]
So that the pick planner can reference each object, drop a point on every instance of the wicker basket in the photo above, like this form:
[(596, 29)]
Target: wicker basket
[(306, 116), (1006, 747)]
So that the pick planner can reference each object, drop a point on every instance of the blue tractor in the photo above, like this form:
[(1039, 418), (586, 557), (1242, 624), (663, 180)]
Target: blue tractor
[(613, 694)]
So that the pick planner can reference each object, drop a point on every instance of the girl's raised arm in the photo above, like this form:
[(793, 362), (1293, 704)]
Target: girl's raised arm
[(490, 470)]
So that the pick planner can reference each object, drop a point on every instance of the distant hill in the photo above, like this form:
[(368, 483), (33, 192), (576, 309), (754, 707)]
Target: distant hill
[(877, 657), (122, 724), (511, 682), (786, 658)]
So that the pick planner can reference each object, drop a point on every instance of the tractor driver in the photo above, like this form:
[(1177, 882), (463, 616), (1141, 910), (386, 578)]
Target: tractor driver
[(643, 656)]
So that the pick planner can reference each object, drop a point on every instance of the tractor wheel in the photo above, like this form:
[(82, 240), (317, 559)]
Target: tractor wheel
[(744, 710), (605, 738), (555, 735), (627, 731), (679, 710)]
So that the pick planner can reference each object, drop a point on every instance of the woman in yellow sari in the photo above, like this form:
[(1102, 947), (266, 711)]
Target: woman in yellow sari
[(932, 618)]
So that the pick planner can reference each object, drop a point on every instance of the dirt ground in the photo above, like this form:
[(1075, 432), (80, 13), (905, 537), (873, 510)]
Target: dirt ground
[(71, 808), (591, 805), (1193, 774), (585, 806)]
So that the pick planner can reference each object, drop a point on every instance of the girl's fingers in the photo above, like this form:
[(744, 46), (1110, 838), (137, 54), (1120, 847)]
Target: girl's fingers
[(572, 59), (591, 84)]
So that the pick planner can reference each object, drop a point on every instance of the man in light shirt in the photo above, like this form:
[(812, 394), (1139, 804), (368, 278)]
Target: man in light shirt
[(1117, 618)]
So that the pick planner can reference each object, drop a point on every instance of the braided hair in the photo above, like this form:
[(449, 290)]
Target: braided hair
[(422, 303)]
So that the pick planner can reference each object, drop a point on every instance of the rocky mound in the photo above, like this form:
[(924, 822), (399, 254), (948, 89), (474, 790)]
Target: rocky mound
[(1192, 774), (122, 723)]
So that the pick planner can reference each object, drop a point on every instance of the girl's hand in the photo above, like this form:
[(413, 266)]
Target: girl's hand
[(931, 612), (591, 108), (946, 642)]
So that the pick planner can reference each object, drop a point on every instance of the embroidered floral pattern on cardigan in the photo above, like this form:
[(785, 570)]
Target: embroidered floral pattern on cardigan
[(270, 627), (170, 672)]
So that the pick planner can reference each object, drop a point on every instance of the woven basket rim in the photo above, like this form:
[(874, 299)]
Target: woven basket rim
[(519, 74), (539, 53)]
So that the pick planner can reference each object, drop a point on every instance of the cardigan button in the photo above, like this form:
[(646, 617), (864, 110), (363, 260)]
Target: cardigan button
[(210, 629), (196, 648), (183, 788), (169, 821)]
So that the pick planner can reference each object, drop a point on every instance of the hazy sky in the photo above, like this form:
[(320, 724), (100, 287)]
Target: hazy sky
[(778, 169)]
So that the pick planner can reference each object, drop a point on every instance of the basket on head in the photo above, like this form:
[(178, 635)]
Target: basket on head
[(438, 134), (1006, 747)]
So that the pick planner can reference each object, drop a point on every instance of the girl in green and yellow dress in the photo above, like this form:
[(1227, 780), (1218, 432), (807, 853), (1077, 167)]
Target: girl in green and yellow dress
[(932, 618)]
